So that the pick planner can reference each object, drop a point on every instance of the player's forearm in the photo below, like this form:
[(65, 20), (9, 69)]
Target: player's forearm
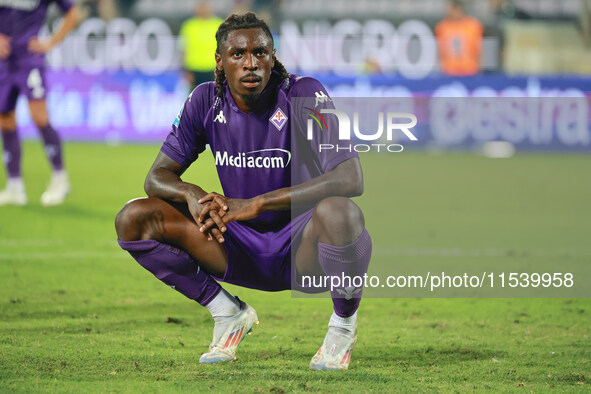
[(167, 185), (164, 181), (71, 20), (345, 180)]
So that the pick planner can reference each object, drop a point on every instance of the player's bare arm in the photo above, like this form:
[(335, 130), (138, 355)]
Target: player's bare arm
[(164, 181), (4, 46), (71, 20), (345, 180)]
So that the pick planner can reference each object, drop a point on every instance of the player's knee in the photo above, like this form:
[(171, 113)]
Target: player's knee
[(340, 217), (38, 110), (8, 122), (40, 120), (126, 221)]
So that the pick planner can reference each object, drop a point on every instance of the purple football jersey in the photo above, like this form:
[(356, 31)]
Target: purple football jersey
[(21, 20), (258, 152)]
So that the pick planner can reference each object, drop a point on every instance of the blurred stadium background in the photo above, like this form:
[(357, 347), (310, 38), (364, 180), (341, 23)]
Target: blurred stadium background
[(118, 77), (77, 313)]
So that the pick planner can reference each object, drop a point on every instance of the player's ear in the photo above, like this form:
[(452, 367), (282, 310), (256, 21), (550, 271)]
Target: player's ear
[(274, 57), (218, 61)]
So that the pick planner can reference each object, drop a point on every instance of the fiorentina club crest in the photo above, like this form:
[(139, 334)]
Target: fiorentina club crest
[(278, 119)]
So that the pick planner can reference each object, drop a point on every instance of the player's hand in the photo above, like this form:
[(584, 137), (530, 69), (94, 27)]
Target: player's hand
[(210, 218), (212, 224), (39, 46), (211, 228), (217, 200), (241, 209), (5, 48), (232, 208), (214, 208), (228, 209)]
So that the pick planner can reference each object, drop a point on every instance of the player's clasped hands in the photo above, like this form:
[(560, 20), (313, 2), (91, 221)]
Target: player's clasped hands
[(210, 218), (219, 210)]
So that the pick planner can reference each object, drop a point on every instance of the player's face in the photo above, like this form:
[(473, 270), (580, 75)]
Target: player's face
[(247, 57)]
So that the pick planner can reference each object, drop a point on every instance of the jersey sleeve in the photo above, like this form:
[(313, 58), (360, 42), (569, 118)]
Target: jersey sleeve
[(187, 139), (64, 5), (310, 99)]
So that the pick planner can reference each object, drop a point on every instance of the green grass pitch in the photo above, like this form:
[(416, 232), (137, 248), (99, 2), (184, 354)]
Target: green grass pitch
[(77, 314)]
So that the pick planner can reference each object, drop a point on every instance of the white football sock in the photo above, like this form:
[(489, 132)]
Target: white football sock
[(15, 184), (223, 305), (60, 174), (347, 323)]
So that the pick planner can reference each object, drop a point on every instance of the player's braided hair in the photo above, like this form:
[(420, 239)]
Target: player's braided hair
[(239, 22)]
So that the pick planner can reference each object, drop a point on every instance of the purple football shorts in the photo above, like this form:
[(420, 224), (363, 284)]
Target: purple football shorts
[(28, 80), (262, 260)]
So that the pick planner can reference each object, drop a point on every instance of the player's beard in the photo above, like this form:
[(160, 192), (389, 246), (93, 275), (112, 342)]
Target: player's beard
[(251, 100)]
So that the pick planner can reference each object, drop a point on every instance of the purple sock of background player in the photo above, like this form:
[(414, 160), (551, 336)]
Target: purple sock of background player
[(348, 260), (12, 153), (53, 146), (175, 268)]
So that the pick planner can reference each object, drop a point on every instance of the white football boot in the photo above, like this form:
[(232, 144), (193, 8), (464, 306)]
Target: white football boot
[(335, 352), (59, 187), (228, 332), (14, 194)]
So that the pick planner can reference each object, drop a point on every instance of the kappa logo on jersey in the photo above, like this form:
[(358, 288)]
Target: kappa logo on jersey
[(321, 98), (220, 117), (279, 119)]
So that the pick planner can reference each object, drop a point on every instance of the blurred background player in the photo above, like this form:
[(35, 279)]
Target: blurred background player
[(459, 38), (22, 70), (197, 41)]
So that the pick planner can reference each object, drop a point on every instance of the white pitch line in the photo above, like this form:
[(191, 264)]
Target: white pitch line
[(457, 252), (90, 250), (63, 255), (52, 242), (30, 242)]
